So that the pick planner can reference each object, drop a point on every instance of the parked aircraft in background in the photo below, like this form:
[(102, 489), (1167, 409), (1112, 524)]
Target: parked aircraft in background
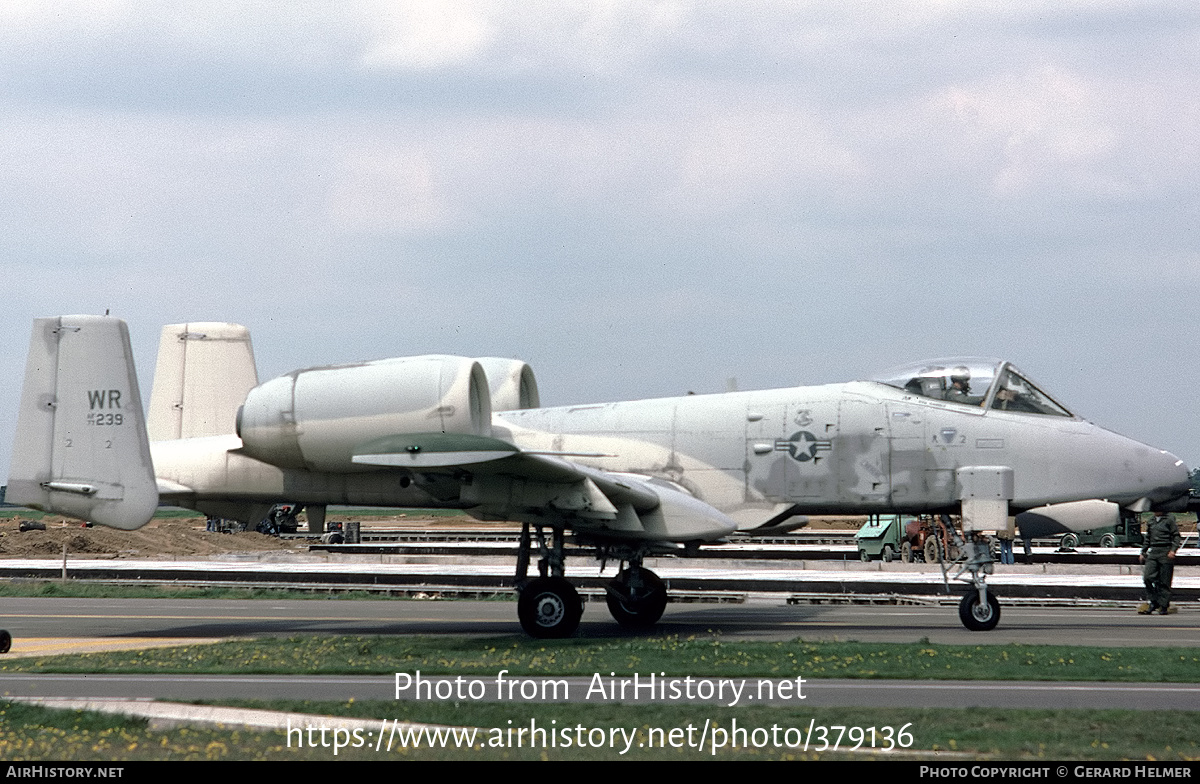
[(970, 436)]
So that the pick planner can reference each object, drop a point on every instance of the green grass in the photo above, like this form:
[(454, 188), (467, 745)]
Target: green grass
[(30, 733), (672, 655)]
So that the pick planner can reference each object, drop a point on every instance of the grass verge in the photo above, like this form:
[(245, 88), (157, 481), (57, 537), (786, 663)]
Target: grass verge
[(615, 732), (672, 655)]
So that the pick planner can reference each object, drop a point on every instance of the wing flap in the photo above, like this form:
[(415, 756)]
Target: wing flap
[(502, 481)]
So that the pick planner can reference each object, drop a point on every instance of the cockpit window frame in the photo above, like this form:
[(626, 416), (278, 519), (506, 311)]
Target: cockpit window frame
[(1007, 367), (943, 369)]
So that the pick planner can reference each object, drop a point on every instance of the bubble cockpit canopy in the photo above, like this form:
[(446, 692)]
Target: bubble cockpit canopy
[(980, 382)]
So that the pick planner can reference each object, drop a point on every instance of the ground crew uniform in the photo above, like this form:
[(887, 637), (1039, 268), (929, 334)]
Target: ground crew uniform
[(1158, 548)]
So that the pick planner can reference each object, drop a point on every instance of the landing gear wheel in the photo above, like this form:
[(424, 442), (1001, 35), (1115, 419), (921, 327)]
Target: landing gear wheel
[(906, 552), (549, 607), (647, 598), (1068, 542), (5, 641), (976, 616)]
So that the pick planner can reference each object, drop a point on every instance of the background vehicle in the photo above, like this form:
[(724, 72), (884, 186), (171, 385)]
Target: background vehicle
[(1126, 533), (882, 537)]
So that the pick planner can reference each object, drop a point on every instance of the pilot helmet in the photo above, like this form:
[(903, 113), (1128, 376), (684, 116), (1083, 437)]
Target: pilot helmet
[(961, 374)]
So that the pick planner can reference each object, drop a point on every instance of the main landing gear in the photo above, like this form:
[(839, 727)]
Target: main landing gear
[(637, 598), (550, 607)]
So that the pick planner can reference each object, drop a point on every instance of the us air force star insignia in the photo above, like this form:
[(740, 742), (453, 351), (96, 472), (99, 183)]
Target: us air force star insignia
[(803, 446)]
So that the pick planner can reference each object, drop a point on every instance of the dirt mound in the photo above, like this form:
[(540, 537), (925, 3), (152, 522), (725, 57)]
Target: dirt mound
[(175, 536)]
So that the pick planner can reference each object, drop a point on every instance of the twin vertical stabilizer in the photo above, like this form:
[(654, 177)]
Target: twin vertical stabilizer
[(81, 447), (205, 369)]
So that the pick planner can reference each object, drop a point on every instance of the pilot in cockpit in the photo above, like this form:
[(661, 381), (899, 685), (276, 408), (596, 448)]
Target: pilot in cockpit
[(960, 386), (973, 381), (1005, 399)]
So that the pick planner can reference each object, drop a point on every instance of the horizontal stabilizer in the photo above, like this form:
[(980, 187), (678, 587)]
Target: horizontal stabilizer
[(81, 448)]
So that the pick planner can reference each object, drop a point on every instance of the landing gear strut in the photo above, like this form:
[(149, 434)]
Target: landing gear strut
[(548, 606), (979, 610)]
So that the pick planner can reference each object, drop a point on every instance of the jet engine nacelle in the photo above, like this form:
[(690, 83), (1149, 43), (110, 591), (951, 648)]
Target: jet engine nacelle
[(511, 383), (317, 418)]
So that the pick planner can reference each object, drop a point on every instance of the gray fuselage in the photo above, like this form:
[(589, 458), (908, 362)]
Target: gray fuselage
[(849, 448)]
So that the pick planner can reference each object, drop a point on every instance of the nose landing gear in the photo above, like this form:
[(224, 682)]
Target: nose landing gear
[(979, 610)]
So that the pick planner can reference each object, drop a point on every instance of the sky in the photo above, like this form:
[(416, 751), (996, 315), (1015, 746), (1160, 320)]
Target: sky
[(639, 199)]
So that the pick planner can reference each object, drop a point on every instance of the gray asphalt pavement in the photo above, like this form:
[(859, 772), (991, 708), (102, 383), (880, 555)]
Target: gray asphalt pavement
[(760, 618)]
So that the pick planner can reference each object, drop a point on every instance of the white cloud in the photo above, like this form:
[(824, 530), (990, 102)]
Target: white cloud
[(1049, 128), (425, 36), (274, 163), (388, 191)]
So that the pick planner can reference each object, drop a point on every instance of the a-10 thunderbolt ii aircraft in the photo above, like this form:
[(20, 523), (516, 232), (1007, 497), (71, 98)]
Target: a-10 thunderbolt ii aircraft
[(969, 437)]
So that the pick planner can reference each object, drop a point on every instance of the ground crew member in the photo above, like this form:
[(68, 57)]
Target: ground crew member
[(1158, 559), (1005, 537)]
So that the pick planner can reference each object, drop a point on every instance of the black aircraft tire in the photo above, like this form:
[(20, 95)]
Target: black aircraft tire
[(976, 617), (5, 641), (549, 607), (647, 609)]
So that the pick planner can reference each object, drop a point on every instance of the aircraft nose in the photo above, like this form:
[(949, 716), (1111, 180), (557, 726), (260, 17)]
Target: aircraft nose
[(1172, 479), (1148, 477)]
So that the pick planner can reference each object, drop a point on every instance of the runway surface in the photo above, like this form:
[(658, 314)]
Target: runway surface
[(43, 626), (51, 621)]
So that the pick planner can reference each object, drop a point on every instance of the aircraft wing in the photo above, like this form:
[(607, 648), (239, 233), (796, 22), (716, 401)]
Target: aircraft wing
[(506, 482)]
